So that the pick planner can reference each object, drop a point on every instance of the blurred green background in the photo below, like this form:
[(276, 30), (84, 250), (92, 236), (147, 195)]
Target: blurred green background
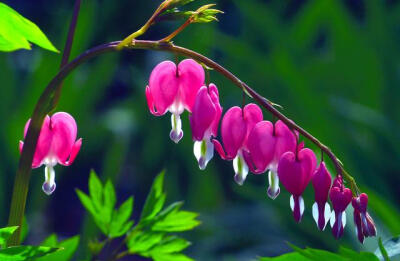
[(333, 65)]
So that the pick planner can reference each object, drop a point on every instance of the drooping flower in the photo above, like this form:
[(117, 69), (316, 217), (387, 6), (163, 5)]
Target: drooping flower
[(56, 144), (340, 198), (173, 88), (235, 128), (295, 171), (365, 226), (321, 182), (204, 122)]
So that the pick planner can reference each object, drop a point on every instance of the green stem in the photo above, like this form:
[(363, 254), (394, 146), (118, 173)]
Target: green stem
[(46, 104)]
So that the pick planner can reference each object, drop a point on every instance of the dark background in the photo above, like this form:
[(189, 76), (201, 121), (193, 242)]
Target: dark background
[(333, 66)]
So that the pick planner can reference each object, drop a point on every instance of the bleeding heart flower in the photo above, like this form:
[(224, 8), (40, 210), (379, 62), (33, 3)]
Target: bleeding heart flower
[(56, 144), (204, 122), (295, 172), (366, 225), (321, 182), (340, 198), (173, 88), (235, 128)]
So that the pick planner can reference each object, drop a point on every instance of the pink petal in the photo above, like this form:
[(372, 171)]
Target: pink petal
[(74, 152), (233, 131), (203, 114), (191, 78), (285, 140), (218, 147), (252, 114), (321, 182), (213, 91), (64, 129), (43, 144), (261, 145), (340, 198), (163, 87)]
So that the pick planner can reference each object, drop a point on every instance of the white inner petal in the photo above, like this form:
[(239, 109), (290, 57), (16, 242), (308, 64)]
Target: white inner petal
[(176, 133), (301, 206), (344, 219), (292, 202), (273, 181), (327, 213), (240, 167), (315, 212), (333, 218), (203, 151)]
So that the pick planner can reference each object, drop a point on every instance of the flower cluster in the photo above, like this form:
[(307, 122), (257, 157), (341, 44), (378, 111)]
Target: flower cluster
[(253, 144)]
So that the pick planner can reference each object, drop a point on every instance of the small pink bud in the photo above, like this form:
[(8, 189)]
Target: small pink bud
[(56, 144), (295, 172), (321, 182), (174, 88), (367, 224)]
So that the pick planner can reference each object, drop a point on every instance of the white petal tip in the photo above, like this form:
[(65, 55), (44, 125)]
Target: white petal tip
[(47, 189)]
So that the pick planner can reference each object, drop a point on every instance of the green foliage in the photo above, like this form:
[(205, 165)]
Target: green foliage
[(16, 32), (389, 248), (101, 202), (69, 247), (20, 253), (151, 237), (344, 254)]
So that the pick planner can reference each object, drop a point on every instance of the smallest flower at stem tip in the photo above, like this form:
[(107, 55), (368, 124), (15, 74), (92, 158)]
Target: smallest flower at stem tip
[(174, 88), (204, 122), (340, 198), (235, 128), (365, 226), (56, 144), (321, 182)]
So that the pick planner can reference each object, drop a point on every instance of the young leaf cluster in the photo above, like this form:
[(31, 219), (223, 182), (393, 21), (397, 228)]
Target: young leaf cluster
[(152, 236), (22, 253)]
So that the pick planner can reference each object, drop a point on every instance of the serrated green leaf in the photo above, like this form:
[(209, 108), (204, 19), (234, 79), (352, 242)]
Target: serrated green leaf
[(170, 244), (294, 256), (119, 225), (155, 200), (109, 201), (86, 201), (96, 191), (170, 257), (50, 241), (140, 242), (353, 255), (5, 233), (16, 31), (21, 253), (176, 220), (69, 247)]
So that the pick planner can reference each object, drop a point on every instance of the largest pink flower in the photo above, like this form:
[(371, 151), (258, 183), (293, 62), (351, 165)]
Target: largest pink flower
[(56, 144), (173, 88)]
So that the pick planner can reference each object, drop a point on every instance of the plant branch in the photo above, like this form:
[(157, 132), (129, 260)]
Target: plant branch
[(46, 105)]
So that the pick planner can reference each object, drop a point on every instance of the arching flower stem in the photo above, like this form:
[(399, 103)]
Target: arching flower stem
[(47, 103)]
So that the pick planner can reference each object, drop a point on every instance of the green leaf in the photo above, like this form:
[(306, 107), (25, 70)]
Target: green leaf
[(69, 247), (170, 244), (294, 256), (95, 191), (119, 224), (155, 200), (109, 201), (383, 250), (353, 255), (141, 242), (86, 202), (16, 31), (20, 253), (170, 257), (5, 233), (24, 229), (172, 219), (390, 246)]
